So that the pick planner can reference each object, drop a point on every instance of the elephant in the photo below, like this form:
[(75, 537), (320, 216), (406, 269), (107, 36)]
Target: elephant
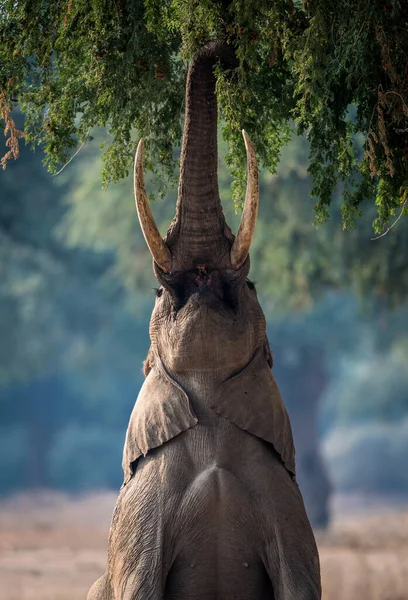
[(209, 507)]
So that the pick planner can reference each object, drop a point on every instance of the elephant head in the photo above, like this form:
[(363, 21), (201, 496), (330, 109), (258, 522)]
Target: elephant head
[(206, 315)]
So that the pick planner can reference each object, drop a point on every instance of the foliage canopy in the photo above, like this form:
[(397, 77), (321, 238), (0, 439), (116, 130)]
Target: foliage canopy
[(76, 64)]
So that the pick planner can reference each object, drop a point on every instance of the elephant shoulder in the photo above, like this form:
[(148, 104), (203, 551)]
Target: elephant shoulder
[(161, 412), (252, 401)]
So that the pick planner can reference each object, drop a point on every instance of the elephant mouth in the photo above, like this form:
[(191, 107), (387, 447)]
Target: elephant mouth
[(206, 289), (204, 297), (206, 300), (203, 294)]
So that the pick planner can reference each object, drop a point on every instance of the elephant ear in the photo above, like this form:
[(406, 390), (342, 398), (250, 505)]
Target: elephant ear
[(251, 399), (161, 412)]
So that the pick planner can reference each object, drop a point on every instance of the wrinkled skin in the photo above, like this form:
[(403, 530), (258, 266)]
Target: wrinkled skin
[(212, 321), (213, 513), (210, 508)]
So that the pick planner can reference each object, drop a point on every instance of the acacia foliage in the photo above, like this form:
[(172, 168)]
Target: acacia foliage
[(75, 64)]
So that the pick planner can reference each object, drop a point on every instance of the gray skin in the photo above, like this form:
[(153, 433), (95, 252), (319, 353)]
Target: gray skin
[(210, 508)]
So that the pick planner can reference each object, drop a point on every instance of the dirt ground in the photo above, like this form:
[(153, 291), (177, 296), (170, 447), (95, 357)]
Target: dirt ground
[(53, 547)]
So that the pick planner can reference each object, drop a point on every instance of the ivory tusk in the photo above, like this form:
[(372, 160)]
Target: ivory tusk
[(158, 248), (242, 243)]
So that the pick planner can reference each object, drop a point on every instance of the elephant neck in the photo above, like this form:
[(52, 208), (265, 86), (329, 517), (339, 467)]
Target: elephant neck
[(200, 384)]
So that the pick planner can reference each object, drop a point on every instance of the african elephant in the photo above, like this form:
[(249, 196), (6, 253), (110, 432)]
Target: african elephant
[(209, 508)]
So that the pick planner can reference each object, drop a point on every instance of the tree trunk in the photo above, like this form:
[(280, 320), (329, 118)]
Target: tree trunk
[(302, 387), (42, 401)]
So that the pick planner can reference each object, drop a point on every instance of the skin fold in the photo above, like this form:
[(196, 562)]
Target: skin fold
[(210, 508)]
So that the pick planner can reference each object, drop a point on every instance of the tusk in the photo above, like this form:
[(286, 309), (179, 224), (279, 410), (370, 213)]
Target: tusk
[(242, 243), (158, 248)]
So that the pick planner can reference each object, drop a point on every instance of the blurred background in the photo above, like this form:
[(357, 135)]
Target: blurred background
[(76, 292)]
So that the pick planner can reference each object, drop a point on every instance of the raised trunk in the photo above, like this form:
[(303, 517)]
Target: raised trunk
[(199, 235)]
